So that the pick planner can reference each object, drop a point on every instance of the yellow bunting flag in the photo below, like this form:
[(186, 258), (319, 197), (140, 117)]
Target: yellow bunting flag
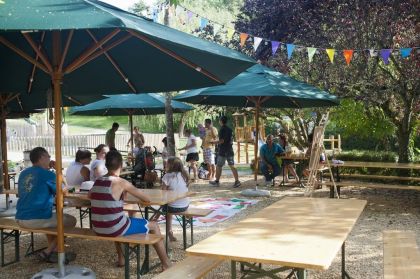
[(243, 37), (330, 52), (230, 33), (348, 55)]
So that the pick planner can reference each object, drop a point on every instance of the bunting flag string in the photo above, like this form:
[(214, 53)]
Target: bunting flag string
[(348, 54)]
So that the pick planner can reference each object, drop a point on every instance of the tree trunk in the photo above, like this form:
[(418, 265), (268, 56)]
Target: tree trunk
[(1, 172), (169, 124), (405, 150), (182, 125), (168, 109)]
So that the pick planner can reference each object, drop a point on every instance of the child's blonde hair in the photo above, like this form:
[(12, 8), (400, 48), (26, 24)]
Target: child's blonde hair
[(174, 164)]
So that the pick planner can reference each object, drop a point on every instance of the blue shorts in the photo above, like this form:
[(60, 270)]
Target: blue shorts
[(222, 159), (137, 225)]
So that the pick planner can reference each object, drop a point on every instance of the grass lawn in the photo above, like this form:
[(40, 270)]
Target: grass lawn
[(96, 122)]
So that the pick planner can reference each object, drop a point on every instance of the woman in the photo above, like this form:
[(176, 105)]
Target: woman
[(97, 168), (78, 172), (137, 137), (192, 152), (287, 164)]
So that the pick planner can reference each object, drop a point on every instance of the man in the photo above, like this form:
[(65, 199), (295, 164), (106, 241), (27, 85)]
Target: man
[(110, 136), (225, 153), (208, 147), (107, 207), (37, 189), (269, 165)]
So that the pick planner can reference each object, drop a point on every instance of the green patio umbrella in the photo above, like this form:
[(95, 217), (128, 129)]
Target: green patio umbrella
[(87, 47), (130, 104), (260, 87)]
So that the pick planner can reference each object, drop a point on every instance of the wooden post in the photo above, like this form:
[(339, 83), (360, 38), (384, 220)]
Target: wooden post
[(6, 183), (238, 151), (257, 113), (339, 143), (246, 153), (332, 142)]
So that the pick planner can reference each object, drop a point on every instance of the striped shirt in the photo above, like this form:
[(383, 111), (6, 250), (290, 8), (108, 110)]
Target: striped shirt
[(108, 217)]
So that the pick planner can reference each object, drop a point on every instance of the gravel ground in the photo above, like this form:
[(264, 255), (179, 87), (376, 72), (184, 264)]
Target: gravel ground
[(386, 209)]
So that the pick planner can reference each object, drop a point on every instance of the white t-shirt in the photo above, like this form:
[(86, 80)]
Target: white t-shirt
[(176, 182), (73, 176), (193, 149), (100, 165)]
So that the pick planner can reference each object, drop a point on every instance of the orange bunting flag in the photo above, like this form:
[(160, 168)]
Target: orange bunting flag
[(243, 37), (348, 55), (330, 52)]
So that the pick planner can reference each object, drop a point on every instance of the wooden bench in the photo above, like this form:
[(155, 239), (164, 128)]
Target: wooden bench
[(9, 229), (193, 267), (401, 255), (367, 185), (385, 177), (187, 219)]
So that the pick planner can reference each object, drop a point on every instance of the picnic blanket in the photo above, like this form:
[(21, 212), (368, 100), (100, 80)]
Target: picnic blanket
[(223, 208)]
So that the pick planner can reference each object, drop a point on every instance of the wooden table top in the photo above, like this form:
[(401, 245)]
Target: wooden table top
[(126, 172), (157, 196), (384, 165), (291, 156), (295, 232)]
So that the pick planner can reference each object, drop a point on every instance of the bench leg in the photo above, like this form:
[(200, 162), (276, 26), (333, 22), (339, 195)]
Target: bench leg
[(301, 273), (233, 269), (344, 273), (192, 230), (184, 232), (4, 239), (127, 261)]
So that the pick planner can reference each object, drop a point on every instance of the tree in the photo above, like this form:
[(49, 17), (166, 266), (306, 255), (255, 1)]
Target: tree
[(393, 89)]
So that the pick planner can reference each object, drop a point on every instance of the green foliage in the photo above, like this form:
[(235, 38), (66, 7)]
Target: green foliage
[(367, 156), (365, 122)]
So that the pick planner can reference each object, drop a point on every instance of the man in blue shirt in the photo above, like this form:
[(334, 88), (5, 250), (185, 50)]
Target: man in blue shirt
[(37, 189), (269, 165)]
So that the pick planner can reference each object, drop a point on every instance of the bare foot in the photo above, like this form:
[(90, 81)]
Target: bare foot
[(167, 266), (172, 237)]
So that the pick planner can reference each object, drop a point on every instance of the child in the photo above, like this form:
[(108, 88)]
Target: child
[(176, 179), (165, 152)]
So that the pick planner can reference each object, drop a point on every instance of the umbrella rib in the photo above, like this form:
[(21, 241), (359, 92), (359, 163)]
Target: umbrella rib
[(113, 63), (79, 60), (38, 51), (98, 53), (176, 56), (66, 49), (31, 80), (74, 100), (23, 54)]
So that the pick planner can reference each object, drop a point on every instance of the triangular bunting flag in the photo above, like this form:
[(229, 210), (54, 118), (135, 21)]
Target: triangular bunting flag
[(203, 23), (385, 53), (230, 33), (290, 48), (243, 38), (216, 28), (373, 53), (348, 55), (330, 53), (189, 16), (405, 52), (311, 52), (257, 42), (274, 46)]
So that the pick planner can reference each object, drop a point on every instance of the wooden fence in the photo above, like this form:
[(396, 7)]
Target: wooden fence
[(70, 144)]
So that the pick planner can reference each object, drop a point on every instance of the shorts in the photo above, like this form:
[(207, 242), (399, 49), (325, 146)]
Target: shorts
[(208, 156), (137, 225), (192, 157), (68, 221), (170, 209), (222, 159)]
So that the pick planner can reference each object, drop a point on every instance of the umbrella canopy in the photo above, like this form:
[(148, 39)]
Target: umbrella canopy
[(86, 47), (130, 104), (264, 85), (258, 87), (133, 53)]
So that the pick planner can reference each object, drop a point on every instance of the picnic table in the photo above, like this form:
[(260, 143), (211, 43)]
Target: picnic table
[(295, 233), (295, 157)]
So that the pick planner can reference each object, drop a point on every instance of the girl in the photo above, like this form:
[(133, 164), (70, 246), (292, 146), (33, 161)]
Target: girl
[(165, 152), (192, 152), (175, 179), (287, 163), (78, 172), (97, 168)]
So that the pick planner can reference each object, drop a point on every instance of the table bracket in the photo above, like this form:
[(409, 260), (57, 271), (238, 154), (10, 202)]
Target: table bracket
[(256, 271)]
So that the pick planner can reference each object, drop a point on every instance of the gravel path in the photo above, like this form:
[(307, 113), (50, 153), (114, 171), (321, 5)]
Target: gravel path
[(386, 209)]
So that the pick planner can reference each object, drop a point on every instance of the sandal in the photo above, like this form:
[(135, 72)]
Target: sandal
[(44, 256)]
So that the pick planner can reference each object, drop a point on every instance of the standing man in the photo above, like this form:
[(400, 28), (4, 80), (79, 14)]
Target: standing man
[(37, 189), (225, 153), (110, 136), (208, 147)]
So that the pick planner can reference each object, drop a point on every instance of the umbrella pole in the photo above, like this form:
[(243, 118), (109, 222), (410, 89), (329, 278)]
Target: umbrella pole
[(56, 79), (4, 155), (130, 116), (257, 135)]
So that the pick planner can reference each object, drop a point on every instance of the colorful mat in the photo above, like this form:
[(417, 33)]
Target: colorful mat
[(223, 209)]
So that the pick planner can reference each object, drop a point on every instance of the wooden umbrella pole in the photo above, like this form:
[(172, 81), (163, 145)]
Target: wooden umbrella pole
[(6, 182), (130, 116), (56, 79), (257, 134)]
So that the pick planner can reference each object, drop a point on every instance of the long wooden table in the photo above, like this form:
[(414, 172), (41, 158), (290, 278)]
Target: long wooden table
[(295, 233)]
